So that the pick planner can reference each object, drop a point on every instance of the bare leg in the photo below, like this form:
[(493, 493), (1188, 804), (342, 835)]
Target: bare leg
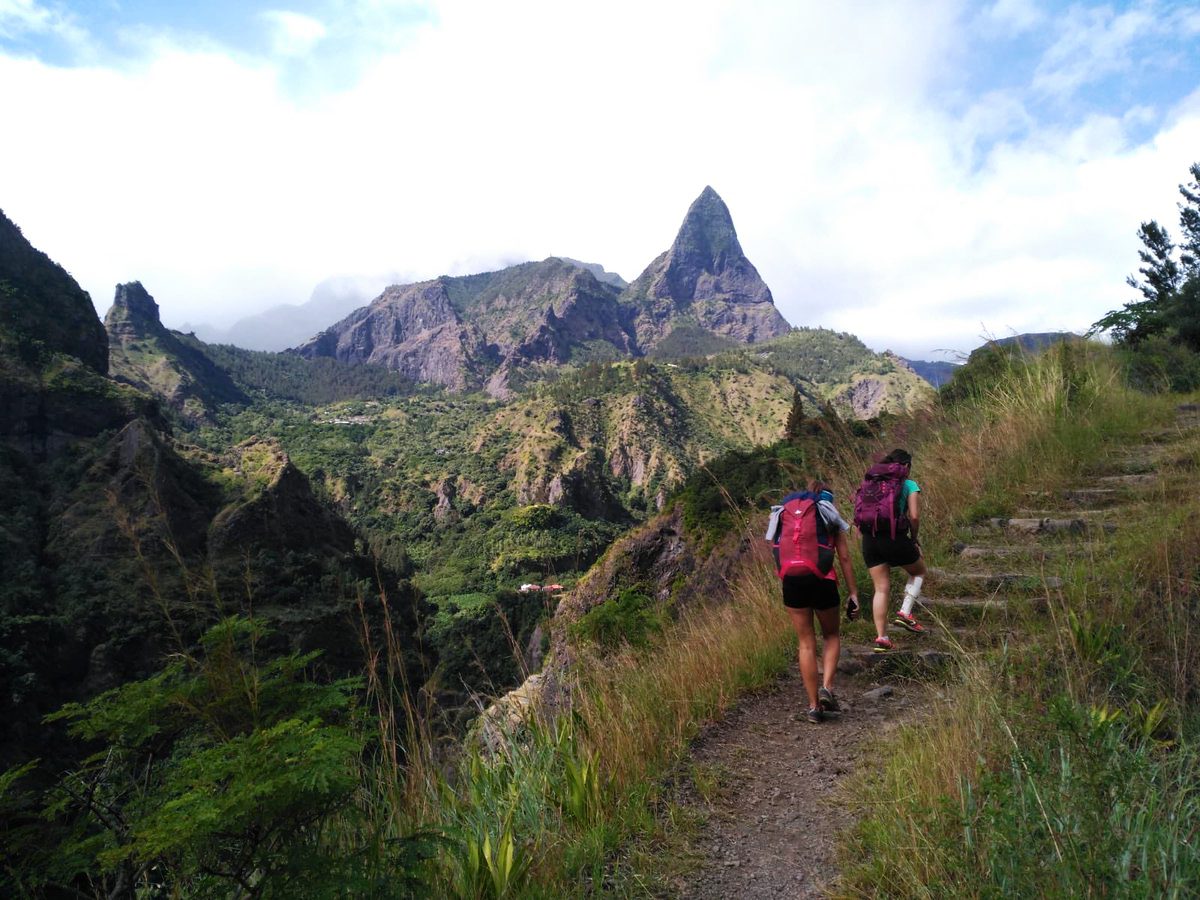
[(829, 619), (881, 578), (806, 651)]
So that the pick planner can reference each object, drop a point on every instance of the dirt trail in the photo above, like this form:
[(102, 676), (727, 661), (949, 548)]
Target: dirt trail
[(771, 828), (763, 778)]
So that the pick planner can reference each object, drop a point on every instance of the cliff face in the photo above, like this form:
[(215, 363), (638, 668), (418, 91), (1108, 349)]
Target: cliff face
[(476, 330), (145, 355), (412, 329), (53, 356), (471, 331), (704, 281)]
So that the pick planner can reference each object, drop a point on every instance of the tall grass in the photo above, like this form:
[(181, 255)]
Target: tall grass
[(637, 710), (544, 814), (1065, 766)]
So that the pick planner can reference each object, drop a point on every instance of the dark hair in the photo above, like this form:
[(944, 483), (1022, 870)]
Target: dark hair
[(816, 485), (898, 456)]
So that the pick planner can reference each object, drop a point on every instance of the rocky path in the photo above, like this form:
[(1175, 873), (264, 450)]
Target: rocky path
[(763, 779)]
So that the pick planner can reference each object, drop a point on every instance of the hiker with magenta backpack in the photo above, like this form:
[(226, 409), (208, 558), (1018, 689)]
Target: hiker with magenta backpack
[(805, 532), (887, 511)]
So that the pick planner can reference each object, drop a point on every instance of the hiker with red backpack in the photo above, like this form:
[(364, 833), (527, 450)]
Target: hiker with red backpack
[(887, 511), (805, 532)]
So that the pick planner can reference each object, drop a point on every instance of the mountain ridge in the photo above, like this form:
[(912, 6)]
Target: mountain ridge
[(470, 331)]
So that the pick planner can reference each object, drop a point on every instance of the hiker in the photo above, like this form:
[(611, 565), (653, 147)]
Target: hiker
[(805, 531), (887, 511)]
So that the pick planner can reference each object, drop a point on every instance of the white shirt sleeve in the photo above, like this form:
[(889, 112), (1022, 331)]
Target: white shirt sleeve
[(831, 516)]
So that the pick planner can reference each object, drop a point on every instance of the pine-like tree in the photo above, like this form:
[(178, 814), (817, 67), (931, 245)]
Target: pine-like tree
[(1169, 286), (795, 420)]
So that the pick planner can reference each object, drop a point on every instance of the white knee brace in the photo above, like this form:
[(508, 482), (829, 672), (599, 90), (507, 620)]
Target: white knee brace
[(912, 591)]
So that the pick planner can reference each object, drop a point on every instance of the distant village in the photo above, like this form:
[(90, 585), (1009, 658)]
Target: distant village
[(531, 588)]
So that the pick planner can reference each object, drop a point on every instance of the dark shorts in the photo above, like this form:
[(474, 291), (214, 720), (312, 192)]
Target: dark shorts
[(810, 592), (900, 551)]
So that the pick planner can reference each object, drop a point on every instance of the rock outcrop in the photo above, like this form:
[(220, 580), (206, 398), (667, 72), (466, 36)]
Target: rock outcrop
[(280, 514), (145, 355), (704, 282), (472, 331)]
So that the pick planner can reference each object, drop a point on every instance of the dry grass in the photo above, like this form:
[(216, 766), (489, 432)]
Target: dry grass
[(638, 710)]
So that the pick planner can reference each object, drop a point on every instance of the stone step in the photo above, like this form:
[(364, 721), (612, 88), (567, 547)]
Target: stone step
[(1143, 461), (1033, 553), (903, 662), (1039, 526), (995, 580), (1088, 497), (1132, 480), (936, 603), (1089, 514), (1093, 497), (975, 551)]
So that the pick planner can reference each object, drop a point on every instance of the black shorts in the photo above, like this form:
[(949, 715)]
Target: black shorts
[(899, 551), (810, 592)]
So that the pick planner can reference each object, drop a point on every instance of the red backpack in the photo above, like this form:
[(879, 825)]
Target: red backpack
[(802, 544)]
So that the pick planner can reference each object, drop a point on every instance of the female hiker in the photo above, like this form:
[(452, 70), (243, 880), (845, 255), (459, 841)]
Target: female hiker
[(887, 510), (805, 531)]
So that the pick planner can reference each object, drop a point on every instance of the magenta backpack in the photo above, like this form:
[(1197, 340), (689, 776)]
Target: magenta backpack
[(801, 543), (877, 510)]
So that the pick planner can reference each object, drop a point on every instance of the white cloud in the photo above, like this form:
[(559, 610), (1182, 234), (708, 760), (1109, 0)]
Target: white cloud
[(1014, 16), (490, 134), (292, 33), (22, 18), (1094, 43)]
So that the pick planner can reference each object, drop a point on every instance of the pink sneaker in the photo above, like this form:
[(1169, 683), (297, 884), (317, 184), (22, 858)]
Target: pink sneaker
[(884, 645), (907, 620)]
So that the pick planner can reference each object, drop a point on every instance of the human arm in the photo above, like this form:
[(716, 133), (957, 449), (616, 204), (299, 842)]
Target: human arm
[(914, 514), (843, 554)]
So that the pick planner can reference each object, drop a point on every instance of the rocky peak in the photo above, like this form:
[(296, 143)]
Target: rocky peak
[(704, 282), (134, 314), (707, 243)]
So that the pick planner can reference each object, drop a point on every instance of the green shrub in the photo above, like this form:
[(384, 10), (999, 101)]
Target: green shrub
[(631, 618), (1157, 365)]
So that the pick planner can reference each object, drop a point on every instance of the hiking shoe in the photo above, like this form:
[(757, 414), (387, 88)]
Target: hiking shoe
[(909, 621), (815, 715), (851, 609), (827, 700), (884, 645)]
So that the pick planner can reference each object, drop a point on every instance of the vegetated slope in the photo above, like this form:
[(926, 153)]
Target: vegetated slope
[(838, 368), (144, 354), (1032, 753), (121, 543), (936, 373), (441, 482), (267, 376), (42, 309)]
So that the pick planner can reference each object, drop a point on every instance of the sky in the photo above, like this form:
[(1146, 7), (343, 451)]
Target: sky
[(923, 174)]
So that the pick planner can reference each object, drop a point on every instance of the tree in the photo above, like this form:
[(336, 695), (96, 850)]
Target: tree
[(795, 420), (1167, 284), (1189, 221), (223, 775)]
